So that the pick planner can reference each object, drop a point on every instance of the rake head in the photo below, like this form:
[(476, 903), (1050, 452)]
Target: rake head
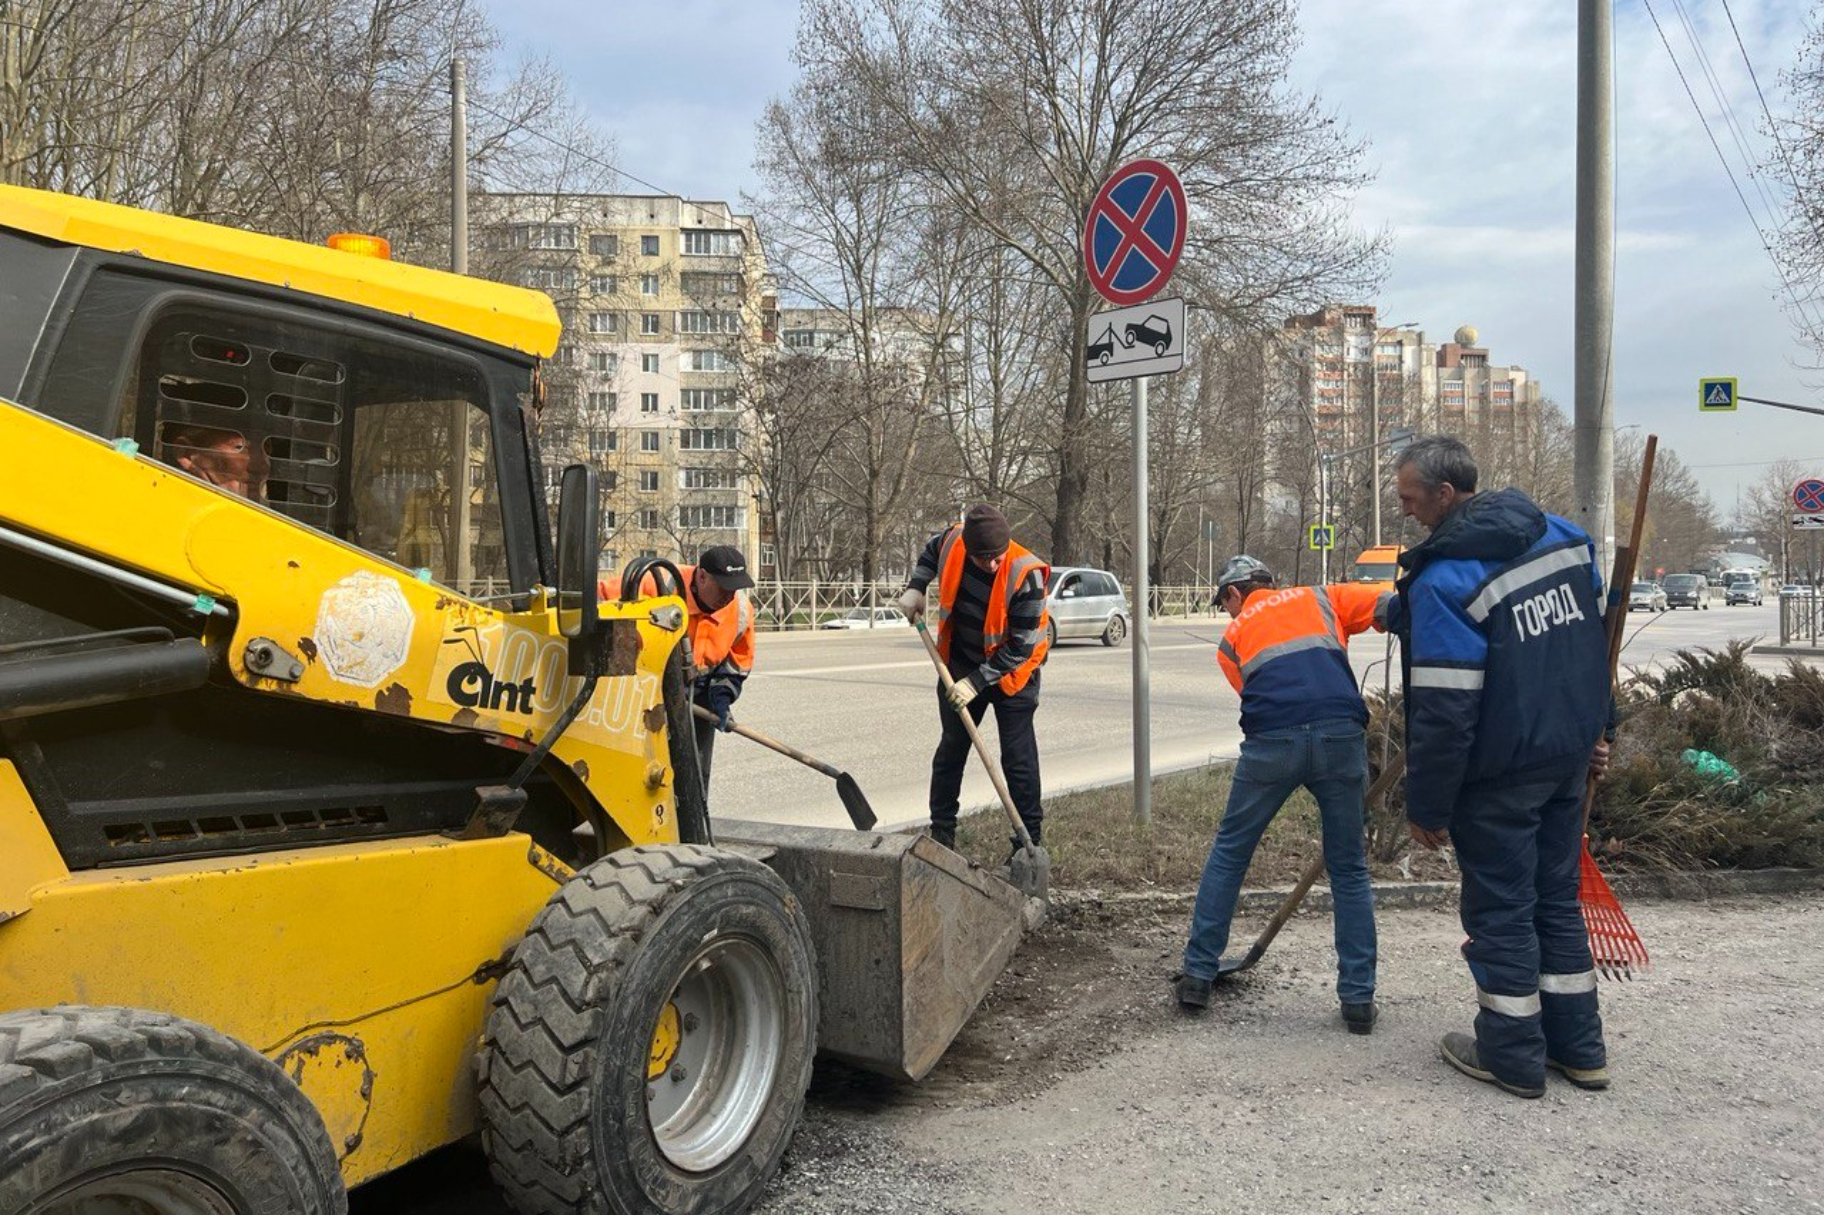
[(1614, 944)]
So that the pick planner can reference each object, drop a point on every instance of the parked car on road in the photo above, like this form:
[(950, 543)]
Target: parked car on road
[(1741, 586), (869, 618), (1647, 595), (1795, 590), (1086, 603), (1687, 590)]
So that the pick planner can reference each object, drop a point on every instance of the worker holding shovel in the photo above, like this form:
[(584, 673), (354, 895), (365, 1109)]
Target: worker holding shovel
[(1303, 721), (990, 618)]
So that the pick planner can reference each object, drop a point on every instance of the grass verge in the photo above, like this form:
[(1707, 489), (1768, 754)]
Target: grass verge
[(1095, 843)]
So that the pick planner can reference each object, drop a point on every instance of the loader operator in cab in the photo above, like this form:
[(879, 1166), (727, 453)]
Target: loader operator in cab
[(224, 458)]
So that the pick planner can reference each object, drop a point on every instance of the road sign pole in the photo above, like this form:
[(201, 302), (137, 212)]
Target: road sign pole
[(1143, 603)]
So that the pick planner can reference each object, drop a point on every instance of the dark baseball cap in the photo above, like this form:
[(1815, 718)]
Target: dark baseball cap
[(727, 566)]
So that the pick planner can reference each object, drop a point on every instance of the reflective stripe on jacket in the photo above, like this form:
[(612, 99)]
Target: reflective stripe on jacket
[(1506, 658), (1015, 572), (1287, 653)]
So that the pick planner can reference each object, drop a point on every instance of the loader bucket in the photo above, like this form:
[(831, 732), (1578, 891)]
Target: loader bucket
[(909, 937)]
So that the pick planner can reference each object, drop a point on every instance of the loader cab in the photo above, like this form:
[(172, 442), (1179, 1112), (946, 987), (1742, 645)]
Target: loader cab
[(406, 442), (300, 382)]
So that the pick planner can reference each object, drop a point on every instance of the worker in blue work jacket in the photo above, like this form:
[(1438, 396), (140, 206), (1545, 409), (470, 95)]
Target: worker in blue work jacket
[(1507, 699)]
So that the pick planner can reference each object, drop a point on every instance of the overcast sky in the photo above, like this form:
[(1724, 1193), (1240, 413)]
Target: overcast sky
[(1469, 108)]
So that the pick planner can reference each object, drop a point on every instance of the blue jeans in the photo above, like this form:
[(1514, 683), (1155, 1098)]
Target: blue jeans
[(1330, 758)]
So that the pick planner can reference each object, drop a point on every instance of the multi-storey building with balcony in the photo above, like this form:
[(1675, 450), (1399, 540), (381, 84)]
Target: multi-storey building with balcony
[(1347, 369), (666, 303)]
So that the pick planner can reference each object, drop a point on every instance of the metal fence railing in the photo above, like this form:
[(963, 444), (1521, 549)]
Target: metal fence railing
[(1802, 617), (795, 606), (791, 606)]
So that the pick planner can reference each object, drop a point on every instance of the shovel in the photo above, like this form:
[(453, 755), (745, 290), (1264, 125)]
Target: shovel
[(1396, 767), (1030, 868), (860, 813)]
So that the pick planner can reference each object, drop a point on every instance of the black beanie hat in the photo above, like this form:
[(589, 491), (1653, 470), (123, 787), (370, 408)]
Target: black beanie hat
[(985, 532)]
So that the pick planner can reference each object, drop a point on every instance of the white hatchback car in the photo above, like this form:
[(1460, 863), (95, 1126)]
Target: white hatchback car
[(1086, 603)]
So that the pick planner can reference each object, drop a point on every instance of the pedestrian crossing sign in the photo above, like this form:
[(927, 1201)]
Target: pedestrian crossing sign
[(1322, 537), (1716, 394)]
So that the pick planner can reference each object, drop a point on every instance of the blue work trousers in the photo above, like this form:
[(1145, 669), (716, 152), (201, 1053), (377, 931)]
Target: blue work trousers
[(1330, 758), (1519, 847)]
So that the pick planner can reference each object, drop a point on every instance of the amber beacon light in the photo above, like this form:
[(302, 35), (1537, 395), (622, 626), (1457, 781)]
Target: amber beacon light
[(362, 245)]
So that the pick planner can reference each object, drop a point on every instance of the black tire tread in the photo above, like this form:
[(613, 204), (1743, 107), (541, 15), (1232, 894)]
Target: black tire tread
[(544, 1019), (44, 1047)]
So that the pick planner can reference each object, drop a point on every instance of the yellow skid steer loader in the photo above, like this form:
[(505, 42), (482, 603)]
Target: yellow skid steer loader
[(338, 820)]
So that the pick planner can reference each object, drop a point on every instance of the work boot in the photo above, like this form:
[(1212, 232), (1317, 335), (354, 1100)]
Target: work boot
[(945, 834), (1360, 1018), (1460, 1053), (1193, 994), (1592, 1078)]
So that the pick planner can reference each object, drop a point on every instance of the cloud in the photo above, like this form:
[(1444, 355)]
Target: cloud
[(1471, 112)]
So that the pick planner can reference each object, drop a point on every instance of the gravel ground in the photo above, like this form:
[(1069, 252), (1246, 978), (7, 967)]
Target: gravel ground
[(1265, 1104), (1079, 1088)]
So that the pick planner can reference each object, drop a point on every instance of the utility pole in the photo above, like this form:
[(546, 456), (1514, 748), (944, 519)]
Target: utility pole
[(1593, 476), (461, 490)]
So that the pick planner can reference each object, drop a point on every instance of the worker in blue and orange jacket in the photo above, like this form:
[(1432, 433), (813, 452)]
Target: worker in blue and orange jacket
[(1303, 720), (721, 636)]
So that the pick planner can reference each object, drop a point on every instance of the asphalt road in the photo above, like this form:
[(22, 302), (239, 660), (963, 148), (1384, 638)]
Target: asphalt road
[(867, 703)]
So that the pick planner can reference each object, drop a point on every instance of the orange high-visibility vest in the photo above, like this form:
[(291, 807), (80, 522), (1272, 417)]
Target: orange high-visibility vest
[(1013, 573), (720, 640)]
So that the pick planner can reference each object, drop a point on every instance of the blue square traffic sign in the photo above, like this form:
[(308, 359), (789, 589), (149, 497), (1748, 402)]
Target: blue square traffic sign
[(1716, 394)]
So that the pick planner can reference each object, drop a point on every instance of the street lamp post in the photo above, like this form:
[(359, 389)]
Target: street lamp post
[(1399, 438), (1374, 419)]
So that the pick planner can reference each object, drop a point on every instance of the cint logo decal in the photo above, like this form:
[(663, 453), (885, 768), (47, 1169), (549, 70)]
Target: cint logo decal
[(472, 685)]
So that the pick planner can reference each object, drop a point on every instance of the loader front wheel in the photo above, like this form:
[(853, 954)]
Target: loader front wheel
[(120, 1111), (648, 1050)]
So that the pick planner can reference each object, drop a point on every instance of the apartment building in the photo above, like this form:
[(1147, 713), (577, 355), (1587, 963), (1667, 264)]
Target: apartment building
[(667, 305), (1350, 371)]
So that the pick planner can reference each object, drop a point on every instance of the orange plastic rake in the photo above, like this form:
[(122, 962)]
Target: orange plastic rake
[(1614, 944)]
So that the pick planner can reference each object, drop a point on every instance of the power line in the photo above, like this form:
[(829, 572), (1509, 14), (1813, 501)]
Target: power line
[(1727, 110), (1729, 170)]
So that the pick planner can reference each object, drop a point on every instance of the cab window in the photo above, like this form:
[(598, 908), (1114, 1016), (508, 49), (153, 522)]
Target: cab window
[(386, 446)]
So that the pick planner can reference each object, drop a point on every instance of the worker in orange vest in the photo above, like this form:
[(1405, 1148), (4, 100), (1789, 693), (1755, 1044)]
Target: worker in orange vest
[(1302, 719), (721, 636), (990, 617)]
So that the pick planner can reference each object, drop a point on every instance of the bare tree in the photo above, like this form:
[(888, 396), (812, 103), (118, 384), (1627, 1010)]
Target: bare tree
[(886, 278), (1797, 162), (1765, 513), (1015, 114)]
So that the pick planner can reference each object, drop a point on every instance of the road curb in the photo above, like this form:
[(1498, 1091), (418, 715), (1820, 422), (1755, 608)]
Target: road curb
[(1718, 884), (1789, 651)]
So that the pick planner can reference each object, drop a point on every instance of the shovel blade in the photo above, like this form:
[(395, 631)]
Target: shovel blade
[(855, 802), (1233, 966)]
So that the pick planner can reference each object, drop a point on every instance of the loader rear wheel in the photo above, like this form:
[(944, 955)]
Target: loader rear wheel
[(112, 1111), (648, 1050)]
